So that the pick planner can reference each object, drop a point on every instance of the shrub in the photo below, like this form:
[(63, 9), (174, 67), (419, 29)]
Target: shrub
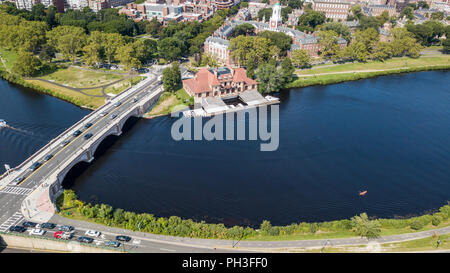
[(416, 224), (436, 220)]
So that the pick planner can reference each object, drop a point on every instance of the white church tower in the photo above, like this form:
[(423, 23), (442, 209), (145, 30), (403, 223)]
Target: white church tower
[(275, 20)]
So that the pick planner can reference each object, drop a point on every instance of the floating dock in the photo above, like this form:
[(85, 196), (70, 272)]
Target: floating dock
[(212, 106)]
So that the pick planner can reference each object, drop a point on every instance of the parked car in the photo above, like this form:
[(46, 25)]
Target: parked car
[(87, 125), (29, 224), (84, 239), (48, 157), (18, 180), (65, 228), (35, 166), (63, 235), (112, 243), (17, 228), (93, 233), (88, 136), (37, 231), (48, 225), (123, 238), (76, 133)]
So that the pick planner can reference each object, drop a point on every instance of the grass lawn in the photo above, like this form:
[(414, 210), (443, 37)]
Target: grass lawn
[(168, 101), (80, 78), (9, 57), (70, 95), (395, 63), (123, 85)]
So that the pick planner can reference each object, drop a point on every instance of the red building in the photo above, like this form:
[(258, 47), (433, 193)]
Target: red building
[(219, 82)]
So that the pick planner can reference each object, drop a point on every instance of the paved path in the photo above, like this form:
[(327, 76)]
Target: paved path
[(357, 71), (248, 245)]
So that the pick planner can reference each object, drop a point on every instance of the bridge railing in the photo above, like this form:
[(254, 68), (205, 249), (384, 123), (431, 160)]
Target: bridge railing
[(84, 119)]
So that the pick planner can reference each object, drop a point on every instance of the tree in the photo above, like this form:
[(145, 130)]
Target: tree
[(356, 51), (312, 19), (328, 45), (446, 44), (171, 77), (68, 40), (279, 39), (369, 37), (244, 29), (357, 11), (300, 58), (47, 53), (26, 64), (127, 56), (437, 16), (153, 27), (264, 14), (364, 227), (340, 28), (381, 51), (403, 43), (287, 69), (265, 227), (170, 48), (111, 42), (269, 78)]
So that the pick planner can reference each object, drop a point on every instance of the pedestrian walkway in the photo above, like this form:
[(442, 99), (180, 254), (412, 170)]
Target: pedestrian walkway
[(13, 220), (17, 190)]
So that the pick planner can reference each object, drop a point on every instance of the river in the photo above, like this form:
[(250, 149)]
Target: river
[(387, 135)]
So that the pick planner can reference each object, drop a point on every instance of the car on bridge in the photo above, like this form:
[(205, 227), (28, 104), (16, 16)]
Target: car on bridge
[(87, 125), (88, 136), (117, 104), (35, 166), (18, 180), (123, 238), (135, 99), (29, 224), (104, 113), (48, 157), (17, 228), (76, 133), (64, 143), (37, 231), (113, 116), (84, 239)]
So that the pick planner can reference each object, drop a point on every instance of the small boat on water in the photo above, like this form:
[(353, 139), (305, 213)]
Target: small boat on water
[(362, 193), (2, 123)]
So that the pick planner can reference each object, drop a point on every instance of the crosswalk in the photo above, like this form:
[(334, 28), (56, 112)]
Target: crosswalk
[(13, 220), (16, 190)]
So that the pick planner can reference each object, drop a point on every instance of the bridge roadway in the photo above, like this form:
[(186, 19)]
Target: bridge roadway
[(41, 187)]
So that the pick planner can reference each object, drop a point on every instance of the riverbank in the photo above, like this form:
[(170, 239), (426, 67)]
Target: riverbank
[(69, 206), (83, 87), (331, 74)]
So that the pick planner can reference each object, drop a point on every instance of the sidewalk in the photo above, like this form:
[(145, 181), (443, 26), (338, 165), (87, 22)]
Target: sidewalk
[(247, 245)]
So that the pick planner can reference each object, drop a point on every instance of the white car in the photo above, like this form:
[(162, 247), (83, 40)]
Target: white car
[(92, 233), (37, 231)]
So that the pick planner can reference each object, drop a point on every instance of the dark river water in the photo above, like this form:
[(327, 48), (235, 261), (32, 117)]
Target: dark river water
[(388, 135)]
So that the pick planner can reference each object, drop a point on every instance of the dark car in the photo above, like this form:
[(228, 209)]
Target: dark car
[(66, 228), (17, 228), (48, 225), (112, 243), (88, 136), (18, 180), (83, 239), (29, 224), (48, 157), (87, 125), (123, 238), (76, 133), (35, 166)]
